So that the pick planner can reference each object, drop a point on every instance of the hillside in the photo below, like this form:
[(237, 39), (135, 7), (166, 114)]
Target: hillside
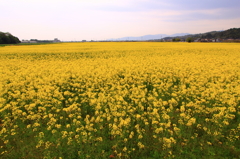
[(7, 38), (233, 33)]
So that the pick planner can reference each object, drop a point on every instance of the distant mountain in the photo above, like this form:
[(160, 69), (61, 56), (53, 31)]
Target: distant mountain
[(148, 37), (233, 33)]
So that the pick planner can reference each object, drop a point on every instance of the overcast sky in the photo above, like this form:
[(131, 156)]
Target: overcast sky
[(104, 19)]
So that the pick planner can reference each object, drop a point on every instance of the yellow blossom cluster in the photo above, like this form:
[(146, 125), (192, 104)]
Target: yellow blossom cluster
[(82, 100)]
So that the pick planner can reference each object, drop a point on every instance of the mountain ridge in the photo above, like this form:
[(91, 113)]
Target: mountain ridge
[(147, 37), (232, 33)]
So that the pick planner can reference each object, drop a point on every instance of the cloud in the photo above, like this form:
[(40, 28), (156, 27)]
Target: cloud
[(114, 18), (205, 14)]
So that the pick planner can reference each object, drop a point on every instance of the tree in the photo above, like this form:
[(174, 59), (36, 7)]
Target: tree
[(7, 38), (209, 36), (1, 41), (176, 39), (189, 39)]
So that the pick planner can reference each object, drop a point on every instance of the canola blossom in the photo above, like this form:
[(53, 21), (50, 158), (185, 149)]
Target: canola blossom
[(120, 100)]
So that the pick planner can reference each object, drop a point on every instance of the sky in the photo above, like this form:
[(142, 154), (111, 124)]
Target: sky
[(75, 20)]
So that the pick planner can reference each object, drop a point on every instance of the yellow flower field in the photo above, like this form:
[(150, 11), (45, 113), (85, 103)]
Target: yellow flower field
[(120, 100)]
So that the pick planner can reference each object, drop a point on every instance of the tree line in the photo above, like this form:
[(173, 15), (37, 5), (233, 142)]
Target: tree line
[(189, 39), (7, 38)]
